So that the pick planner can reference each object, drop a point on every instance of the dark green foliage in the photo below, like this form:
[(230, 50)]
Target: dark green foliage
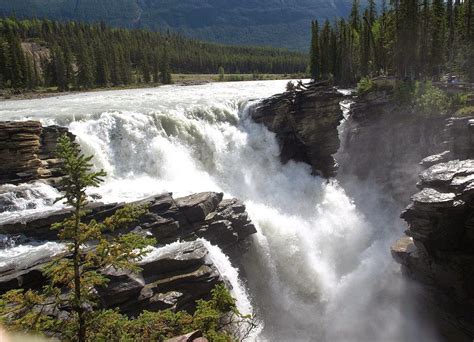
[(413, 40), (218, 319), (86, 56), (365, 85), (315, 53), (251, 22)]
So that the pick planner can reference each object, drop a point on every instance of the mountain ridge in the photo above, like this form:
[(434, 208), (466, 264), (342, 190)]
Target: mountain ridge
[(276, 23)]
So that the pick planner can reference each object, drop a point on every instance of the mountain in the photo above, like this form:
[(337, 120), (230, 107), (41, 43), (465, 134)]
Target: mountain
[(278, 23)]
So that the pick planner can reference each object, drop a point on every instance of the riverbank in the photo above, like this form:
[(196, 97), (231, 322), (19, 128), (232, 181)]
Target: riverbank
[(178, 79)]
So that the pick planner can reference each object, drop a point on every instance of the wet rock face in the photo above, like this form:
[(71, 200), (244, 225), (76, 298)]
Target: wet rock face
[(305, 123), (438, 250), (384, 143), (207, 215), (27, 151)]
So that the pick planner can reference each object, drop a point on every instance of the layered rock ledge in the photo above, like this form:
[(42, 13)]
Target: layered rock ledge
[(438, 249), (223, 222), (27, 151), (171, 278), (305, 123)]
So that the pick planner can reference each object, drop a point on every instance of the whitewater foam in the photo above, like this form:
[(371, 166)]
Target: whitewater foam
[(318, 270)]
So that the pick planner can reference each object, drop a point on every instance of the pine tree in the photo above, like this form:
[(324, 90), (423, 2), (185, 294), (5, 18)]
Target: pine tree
[(221, 73), (146, 69), (438, 43), (102, 67), (85, 73), (451, 29), (324, 43), (372, 15), (355, 16), (59, 69), (165, 74), (73, 278), (315, 55), (365, 45)]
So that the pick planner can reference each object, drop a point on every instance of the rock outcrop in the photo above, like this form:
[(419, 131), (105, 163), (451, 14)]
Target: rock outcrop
[(27, 151), (305, 123), (171, 278), (384, 143), (438, 250), (206, 215)]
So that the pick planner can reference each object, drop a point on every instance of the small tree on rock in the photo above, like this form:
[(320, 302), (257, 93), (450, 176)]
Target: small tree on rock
[(67, 303)]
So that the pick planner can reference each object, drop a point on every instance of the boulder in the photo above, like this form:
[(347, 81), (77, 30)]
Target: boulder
[(172, 279)]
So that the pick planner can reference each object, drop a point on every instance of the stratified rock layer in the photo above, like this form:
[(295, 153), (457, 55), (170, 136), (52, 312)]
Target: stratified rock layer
[(27, 151), (384, 143), (438, 250), (172, 278), (305, 123), (206, 215)]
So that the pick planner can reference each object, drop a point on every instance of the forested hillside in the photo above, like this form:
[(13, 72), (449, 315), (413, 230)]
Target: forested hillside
[(278, 23), (411, 39), (46, 53)]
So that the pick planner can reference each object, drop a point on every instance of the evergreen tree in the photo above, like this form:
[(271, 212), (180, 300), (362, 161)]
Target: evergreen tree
[(165, 74), (355, 16), (315, 55), (221, 73), (85, 73), (438, 42), (102, 67), (372, 15), (74, 279), (59, 69)]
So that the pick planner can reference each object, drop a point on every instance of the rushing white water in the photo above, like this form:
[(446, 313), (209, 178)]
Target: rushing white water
[(319, 269)]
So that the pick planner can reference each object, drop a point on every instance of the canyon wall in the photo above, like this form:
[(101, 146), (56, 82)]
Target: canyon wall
[(27, 151), (305, 122)]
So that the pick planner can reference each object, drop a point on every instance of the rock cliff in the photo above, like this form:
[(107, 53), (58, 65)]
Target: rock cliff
[(384, 142), (438, 250), (305, 123), (27, 151)]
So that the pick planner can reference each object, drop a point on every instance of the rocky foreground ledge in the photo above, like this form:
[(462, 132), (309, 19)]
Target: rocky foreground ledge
[(207, 215), (179, 271), (175, 277)]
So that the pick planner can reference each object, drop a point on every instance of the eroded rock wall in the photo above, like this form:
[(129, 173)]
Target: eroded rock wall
[(305, 123), (27, 151), (384, 143)]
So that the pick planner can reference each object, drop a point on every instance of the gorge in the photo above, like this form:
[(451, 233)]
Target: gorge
[(319, 266)]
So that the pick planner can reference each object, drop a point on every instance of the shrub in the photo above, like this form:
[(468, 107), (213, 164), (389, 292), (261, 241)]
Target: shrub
[(218, 319), (429, 99), (365, 85), (465, 112)]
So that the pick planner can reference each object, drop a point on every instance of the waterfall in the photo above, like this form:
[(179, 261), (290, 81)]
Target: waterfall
[(319, 268)]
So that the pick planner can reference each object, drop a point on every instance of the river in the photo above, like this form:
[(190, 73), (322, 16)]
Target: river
[(319, 268)]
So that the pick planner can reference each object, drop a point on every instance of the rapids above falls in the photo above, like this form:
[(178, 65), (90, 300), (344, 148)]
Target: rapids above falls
[(319, 268)]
